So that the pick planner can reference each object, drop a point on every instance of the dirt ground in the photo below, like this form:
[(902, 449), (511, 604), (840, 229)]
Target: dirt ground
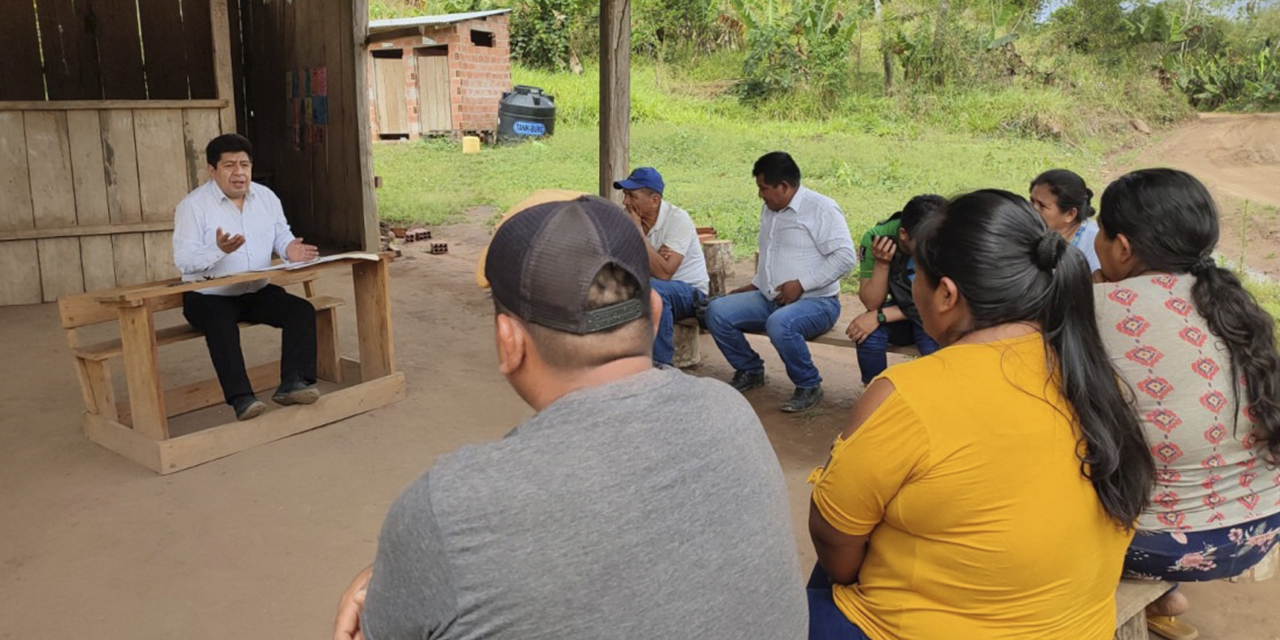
[(1238, 158), (260, 544)]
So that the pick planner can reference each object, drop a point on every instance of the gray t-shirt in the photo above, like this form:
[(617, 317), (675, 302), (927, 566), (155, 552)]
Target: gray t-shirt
[(652, 507)]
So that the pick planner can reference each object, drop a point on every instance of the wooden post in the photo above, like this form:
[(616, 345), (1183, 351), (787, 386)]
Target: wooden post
[(370, 239), (373, 319), (615, 94), (142, 368), (222, 65), (719, 258)]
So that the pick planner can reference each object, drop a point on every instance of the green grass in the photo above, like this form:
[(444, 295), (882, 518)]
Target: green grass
[(871, 159)]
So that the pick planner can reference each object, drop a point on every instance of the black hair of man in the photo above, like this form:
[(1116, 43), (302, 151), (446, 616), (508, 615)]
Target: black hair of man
[(776, 168), (227, 143)]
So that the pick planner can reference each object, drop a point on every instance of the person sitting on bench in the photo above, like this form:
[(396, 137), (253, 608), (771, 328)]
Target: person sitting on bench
[(805, 248), (1200, 355), (637, 502), (989, 490), (231, 225), (886, 272), (678, 272)]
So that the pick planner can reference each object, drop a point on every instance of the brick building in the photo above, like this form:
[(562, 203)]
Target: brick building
[(438, 74)]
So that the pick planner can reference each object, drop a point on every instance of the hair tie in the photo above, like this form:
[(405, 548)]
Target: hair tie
[(1203, 265), (1049, 250)]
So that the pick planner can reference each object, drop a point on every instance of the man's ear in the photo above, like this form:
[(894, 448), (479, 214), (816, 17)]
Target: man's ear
[(655, 309), (512, 342), (213, 171)]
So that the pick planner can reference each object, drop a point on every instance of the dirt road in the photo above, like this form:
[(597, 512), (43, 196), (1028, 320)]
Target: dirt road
[(1238, 158)]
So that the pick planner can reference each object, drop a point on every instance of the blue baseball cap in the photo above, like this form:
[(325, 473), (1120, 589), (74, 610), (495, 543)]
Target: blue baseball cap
[(642, 178)]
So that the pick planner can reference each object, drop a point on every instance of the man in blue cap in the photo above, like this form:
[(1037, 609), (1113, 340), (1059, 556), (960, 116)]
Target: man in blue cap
[(677, 269)]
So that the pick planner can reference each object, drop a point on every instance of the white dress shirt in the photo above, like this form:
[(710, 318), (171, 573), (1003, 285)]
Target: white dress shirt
[(674, 228), (195, 227), (807, 241)]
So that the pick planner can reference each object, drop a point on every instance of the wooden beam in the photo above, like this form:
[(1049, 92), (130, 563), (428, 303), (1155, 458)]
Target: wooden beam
[(369, 203), (88, 230), (373, 318), (104, 105), (142, 368), (615, 95), (202, 446), (222, 74), (208, 393)]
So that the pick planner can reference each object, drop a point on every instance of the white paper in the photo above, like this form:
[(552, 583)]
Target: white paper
[(290, 266)]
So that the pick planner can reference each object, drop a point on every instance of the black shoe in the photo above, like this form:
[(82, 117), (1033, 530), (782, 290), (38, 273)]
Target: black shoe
[(298, 392), (747, 380), (247, 407), (803, 399)]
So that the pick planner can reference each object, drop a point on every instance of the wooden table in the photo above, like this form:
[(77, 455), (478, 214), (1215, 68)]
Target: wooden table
[(147, 440)]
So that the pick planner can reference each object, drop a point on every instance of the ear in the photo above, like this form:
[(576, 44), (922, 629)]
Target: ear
[(946, 296), (1124, 249), (655, 309), (213, 171), (512, 341), (1072, 214), (903, 236)]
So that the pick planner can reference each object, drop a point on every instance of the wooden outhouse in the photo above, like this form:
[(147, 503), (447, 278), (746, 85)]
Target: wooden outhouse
[(434, 75), (106, 107)]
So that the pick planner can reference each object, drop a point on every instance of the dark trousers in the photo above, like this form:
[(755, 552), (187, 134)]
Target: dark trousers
[(217, 316)]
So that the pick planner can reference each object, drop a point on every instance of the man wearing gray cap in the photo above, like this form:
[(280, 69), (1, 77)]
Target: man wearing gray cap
[(607, 514)]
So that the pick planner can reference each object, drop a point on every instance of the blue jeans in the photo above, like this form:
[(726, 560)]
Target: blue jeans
[(871, 353), (826, 620), (788, 327), (678, 302)]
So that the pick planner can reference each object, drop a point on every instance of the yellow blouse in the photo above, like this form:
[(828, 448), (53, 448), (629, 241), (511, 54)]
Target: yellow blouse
[(981, 523)]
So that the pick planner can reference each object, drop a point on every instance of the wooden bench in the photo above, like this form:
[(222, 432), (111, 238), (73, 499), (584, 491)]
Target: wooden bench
[(139, 428), (837, 338)]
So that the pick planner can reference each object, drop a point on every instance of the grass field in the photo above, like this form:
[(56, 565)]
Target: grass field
[(707, 168)]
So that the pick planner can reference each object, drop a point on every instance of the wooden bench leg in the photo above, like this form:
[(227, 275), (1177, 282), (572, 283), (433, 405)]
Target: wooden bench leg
[(327, 366), (100, 398), (142, 368), (1135, 628)]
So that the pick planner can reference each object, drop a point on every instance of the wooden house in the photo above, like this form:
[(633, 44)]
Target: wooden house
[(432, 75), (106, 107)]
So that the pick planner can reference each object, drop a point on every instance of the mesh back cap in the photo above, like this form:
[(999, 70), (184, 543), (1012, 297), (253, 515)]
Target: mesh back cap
[(543, 260)]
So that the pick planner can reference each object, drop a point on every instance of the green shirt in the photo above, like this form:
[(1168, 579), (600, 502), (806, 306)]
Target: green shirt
[(866, 258)]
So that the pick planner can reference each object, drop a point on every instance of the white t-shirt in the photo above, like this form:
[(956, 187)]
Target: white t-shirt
[(674, 228)]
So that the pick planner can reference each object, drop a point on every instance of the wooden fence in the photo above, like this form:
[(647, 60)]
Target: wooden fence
[(89, 191)]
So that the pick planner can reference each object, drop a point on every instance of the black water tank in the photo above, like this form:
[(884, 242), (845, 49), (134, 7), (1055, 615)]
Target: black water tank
[(525, 113)]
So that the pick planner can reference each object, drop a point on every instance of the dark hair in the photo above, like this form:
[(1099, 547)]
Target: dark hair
[(227, 143), (917, 209), (1010, 268), (777, 167), (1172, 226), (1069, 189), (567, 351)]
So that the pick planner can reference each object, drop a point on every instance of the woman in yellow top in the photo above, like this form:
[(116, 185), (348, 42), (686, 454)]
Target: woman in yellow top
[(988, 490)]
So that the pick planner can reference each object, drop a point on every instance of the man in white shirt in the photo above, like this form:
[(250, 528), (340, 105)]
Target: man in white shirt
[(677, 269), (231, 225), (805, 248)]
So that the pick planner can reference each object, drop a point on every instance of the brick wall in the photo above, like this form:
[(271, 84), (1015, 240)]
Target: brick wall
[(477, 75)]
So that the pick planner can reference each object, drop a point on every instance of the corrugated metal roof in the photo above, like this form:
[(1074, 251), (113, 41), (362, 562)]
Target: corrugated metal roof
[(377, 26)]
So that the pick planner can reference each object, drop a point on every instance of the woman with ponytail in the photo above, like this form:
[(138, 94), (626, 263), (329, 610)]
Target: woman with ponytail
[(1065, 202), (1201, 357), (989, 489)]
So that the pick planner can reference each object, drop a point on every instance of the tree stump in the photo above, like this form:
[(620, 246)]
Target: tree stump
[(719, 257), (688, 353)]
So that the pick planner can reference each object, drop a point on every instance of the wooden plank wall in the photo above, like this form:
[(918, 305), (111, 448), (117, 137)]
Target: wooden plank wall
[(94, 50), (90, 195), (326, 186)]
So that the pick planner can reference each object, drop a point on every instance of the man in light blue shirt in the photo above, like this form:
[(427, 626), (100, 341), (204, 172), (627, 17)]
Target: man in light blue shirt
[(805, 248), (231, 225)]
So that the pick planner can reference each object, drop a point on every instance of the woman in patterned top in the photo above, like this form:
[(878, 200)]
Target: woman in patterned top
[(1201, 357)]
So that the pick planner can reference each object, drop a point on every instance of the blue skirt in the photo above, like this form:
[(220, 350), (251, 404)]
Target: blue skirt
[(1196, 556)]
